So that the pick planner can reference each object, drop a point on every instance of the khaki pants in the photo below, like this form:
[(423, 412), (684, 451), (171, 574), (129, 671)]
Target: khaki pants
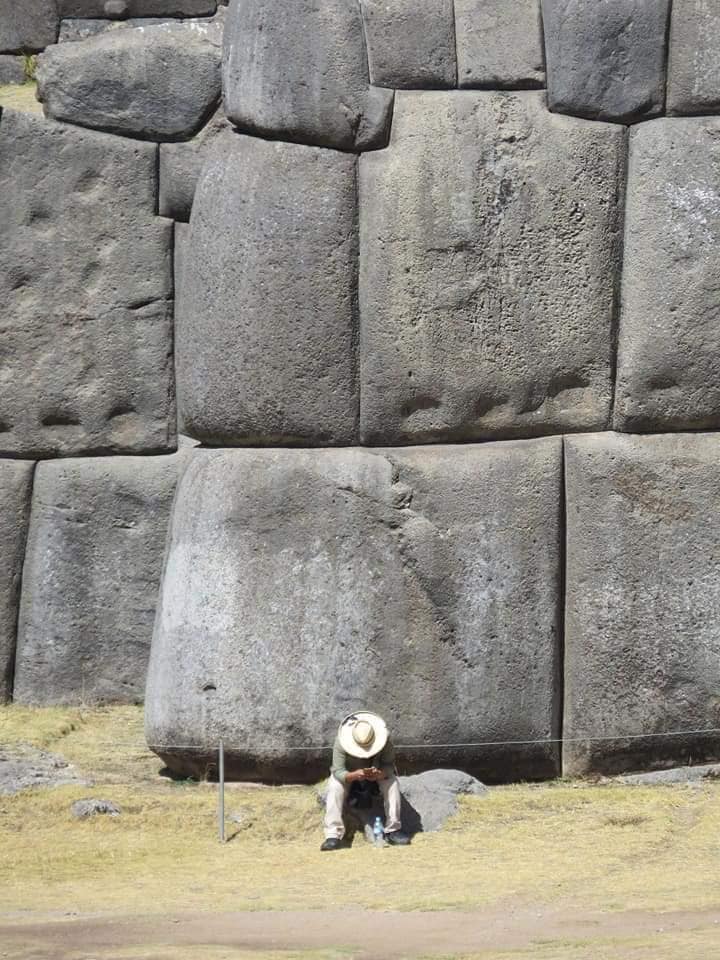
[(337, 794)]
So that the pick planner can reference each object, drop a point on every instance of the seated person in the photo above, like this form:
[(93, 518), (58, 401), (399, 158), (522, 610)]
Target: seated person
[(362, 752)]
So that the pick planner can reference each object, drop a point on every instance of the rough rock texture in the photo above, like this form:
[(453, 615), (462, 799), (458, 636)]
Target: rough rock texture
[(211, 28), (82, 809), (642, 649), (303, 76), (180, 167), (693, 84), (85, 294), (12, 69), (265, 344), (669, 354), (499, 44), (606, 58), (302, 584), (23, 767), (489, 236), (410, 44), (90, 583), (156, 83), (15, 490), (683, 775), (27, 25), (136, 8)]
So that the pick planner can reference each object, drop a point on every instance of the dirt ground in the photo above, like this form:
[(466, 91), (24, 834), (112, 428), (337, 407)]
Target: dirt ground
[(557, 871)]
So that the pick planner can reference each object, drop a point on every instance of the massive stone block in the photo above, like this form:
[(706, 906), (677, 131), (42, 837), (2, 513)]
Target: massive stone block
[(119, 9), (693, 83), (82, 28), (85, 294), (606, 59), (266, 340), (668, 350), (499, 44), (12, 69), (27, 25), (180, 167), (489, 252), (642, 649), (15, 489), (156, 83), (299, 72), (92, 570), (410, 44), (300, 585)]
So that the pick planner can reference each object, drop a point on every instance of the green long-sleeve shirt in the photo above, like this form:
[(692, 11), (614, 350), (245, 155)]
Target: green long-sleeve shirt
[(343, 763)]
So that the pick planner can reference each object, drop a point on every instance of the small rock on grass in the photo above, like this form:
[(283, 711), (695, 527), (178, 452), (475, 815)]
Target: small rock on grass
[(82, 809)]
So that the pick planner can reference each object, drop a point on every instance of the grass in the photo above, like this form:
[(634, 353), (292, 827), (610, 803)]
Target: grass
[(20, 97)]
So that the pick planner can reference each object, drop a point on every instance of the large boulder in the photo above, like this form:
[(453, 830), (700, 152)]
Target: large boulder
[(86, 290), (499, 44), (410, 44), (266, 338), (693, 83), (642, 648), (12, 69), (668, 348), (90, 582), (490, 247), (300, 585), (27, 25), (181, 165), (606, 61), (155, 83), (82, 28), (15, 489), (299, 72), (120, 9)]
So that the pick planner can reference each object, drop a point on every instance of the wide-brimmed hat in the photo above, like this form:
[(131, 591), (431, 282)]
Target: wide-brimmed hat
[(363, 734)]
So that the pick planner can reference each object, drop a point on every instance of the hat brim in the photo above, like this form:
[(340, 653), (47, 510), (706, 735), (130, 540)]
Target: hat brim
[(347, 741)]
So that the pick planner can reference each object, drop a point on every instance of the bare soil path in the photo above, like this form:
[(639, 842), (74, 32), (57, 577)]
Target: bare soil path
[(361, 934)]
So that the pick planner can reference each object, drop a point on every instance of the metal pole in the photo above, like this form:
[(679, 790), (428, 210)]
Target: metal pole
[(221, 792)]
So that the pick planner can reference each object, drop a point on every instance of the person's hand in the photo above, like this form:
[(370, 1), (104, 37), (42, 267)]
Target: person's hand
[(372, 773)]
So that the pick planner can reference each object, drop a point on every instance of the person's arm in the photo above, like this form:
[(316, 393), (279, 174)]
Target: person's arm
[(339, 769), (386, 761)]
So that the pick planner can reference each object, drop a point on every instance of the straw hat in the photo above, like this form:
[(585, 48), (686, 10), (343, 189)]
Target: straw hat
[(363, 734)]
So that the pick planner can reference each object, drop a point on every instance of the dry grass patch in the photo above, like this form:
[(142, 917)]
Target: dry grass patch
[(20, 97)]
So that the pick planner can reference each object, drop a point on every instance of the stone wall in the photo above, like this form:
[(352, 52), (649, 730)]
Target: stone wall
[(432, 286)]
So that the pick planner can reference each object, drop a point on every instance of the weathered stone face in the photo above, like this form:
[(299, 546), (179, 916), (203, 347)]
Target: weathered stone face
[(15, 489), (423, 583), (265, 342), (92, 570), (136, 8), (12, 69), (410, 44), (156, 83), (668, 350), (606, 60), (85, 294), (181, 165), (693, 84), (299, 72), (499, 44), (489, 250), (27, 25), (82, 28), (642, 650)]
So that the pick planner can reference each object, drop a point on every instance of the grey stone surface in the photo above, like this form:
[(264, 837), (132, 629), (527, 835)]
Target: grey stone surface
[(642, 649), (155, 83), (668, 351), (85, 294), (302, 584), (27, 25), (265, 343), (489, 234), (15, 490), (410, 44), (211, 28), (302, 75), (682, 775), (499, 44), (23, 767), (606, 60), (121, 9), (693, 83), (180, 167), (12, 69), (92, 807), (92, 570)]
